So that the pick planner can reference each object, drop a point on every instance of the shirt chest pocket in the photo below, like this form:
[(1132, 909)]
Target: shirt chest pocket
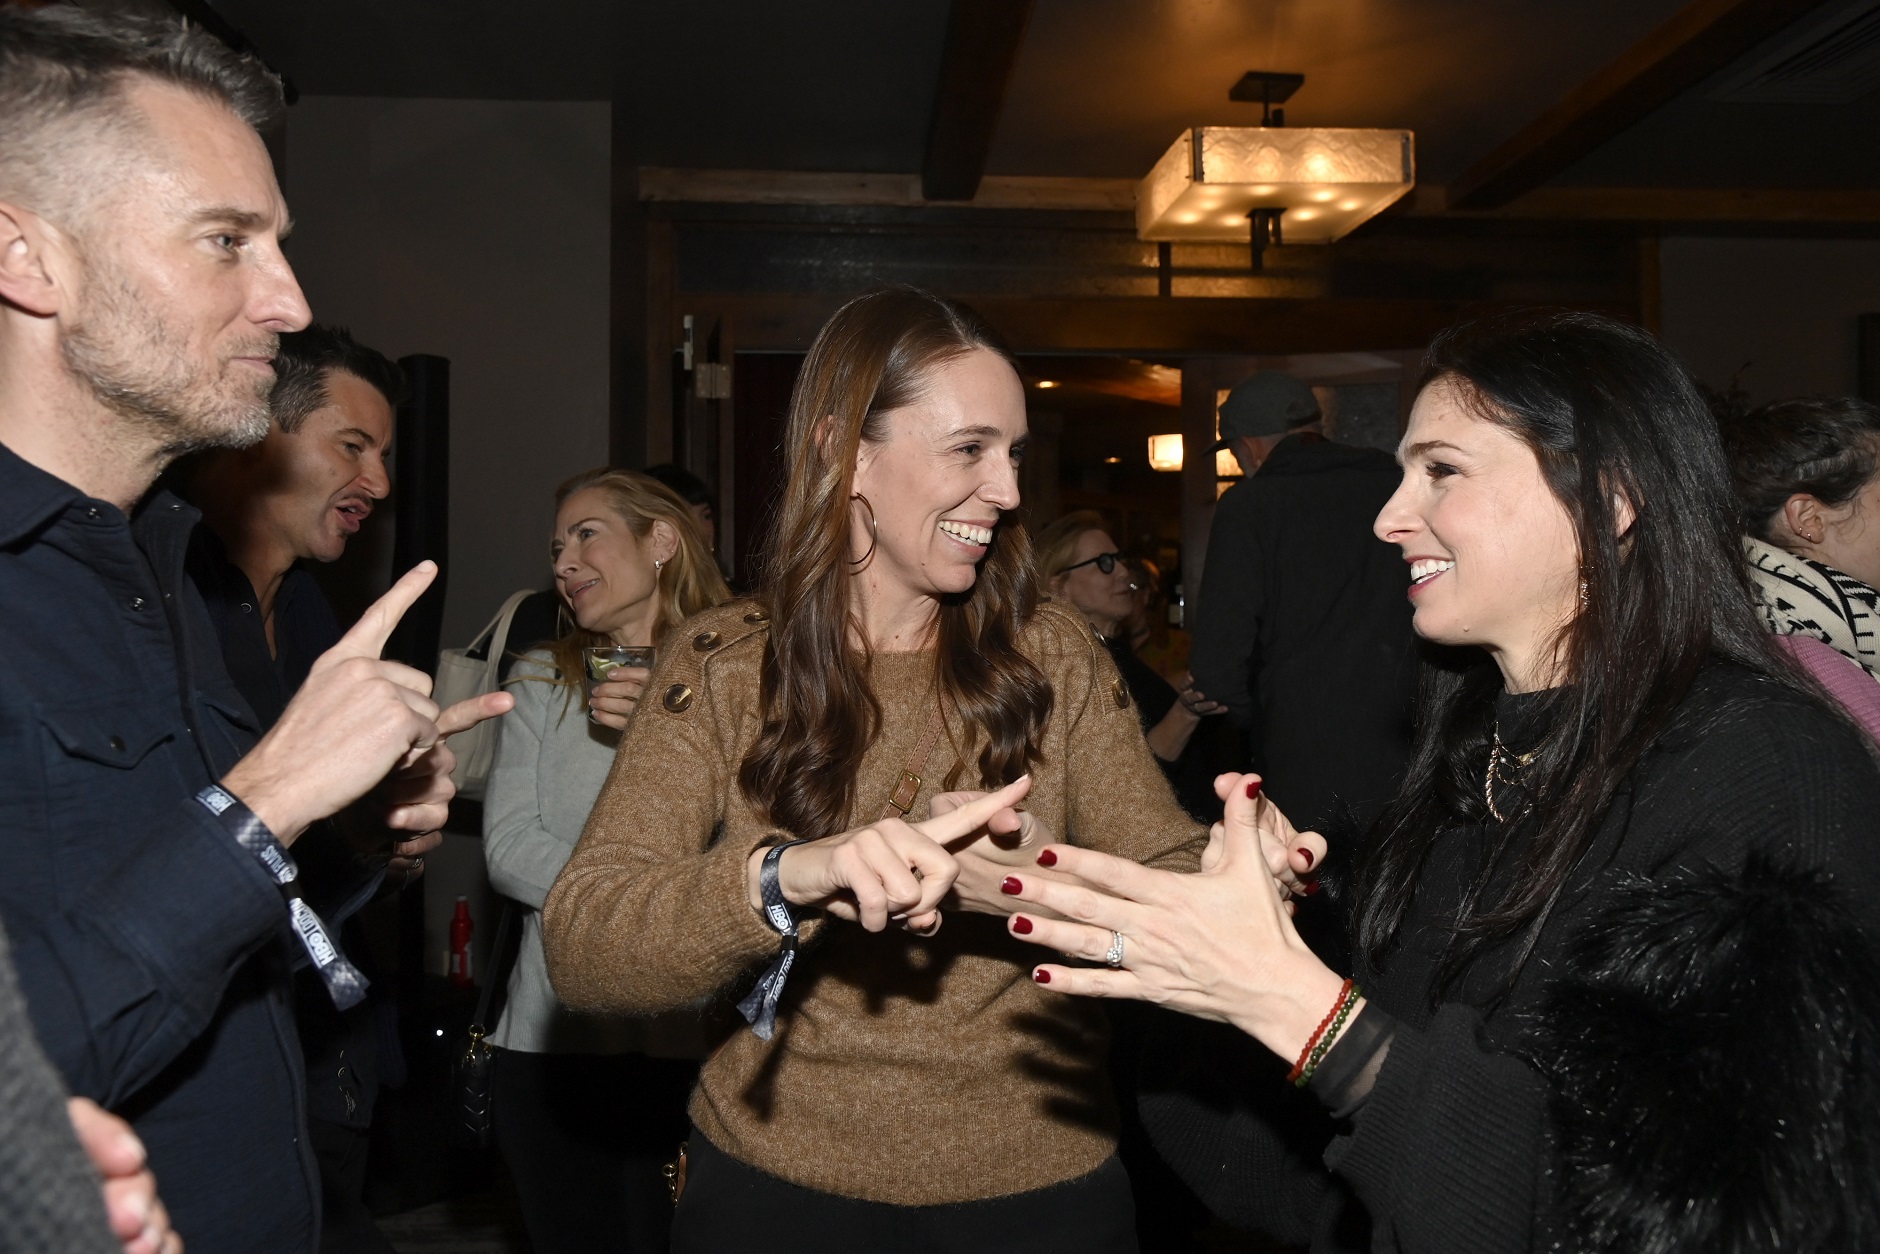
[(104, 778), (118, 736)]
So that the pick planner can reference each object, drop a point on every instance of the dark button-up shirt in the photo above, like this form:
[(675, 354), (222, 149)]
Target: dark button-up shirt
[(153, 950), (341, 1049), (304, 626)]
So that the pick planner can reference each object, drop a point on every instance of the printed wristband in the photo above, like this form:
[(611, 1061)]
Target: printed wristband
[(344, 982), (759, 1007)]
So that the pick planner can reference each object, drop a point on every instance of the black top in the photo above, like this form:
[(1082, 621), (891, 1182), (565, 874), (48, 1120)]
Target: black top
[(152, 949), (1303, 628), (1451, 1150)]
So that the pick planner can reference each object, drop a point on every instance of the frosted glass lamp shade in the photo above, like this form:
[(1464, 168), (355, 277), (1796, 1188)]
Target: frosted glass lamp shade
[(1327, 180), (1165, 452)]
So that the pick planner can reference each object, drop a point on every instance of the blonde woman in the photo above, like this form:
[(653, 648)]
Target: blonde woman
[(588, 1108)]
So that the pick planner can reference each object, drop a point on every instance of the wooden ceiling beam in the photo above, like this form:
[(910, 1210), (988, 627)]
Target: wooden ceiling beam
[(981, 49), (1700, 39)]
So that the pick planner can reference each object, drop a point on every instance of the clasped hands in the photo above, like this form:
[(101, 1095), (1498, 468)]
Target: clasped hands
[(1217, 944)]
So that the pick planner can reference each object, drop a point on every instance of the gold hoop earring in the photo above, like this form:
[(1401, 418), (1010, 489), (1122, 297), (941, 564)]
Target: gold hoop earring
[(874, 529)]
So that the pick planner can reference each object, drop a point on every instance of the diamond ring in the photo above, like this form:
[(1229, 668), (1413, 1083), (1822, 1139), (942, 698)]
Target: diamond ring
[(1114, 958)]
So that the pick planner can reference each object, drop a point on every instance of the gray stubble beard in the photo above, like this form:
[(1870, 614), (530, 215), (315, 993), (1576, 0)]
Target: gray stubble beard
[(138, 374)]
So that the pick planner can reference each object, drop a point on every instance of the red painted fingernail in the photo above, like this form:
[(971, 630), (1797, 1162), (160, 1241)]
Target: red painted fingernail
[(1047, 858), (1041, 975), (1021, 925), (1011, 887), (1253, 789), (1310, 888), (1307, 855)]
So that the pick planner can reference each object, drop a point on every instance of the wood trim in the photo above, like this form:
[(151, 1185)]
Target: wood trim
[(1746, 205), (1139, 325), (981, 48), (1696, 42), (807, 187)]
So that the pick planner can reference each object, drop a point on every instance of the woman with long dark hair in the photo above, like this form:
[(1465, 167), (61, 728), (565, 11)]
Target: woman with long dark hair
[(1615, 937), (904, 1085)]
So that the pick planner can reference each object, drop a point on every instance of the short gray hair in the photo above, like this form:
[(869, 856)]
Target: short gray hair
[(61, 65)]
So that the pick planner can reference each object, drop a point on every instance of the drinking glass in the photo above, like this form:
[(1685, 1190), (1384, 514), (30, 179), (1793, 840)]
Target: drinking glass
[(603, 658)]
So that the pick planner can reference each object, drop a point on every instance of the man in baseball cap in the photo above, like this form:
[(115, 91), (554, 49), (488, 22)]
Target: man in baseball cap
[(1261, 412), (1303, 628)]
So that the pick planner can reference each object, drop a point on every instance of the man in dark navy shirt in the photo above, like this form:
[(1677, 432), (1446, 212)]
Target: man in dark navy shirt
[(146, 879), (267, 510)]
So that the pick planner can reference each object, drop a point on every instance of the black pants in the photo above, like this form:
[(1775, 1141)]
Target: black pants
[(346, 1225), (730, 1207), (586, 1137)]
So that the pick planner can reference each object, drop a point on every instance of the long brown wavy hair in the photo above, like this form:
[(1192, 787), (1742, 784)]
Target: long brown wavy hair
[(688, 583), (874, 356)]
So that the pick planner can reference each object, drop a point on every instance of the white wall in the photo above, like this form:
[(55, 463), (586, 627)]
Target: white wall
[(1786, 307), (476, 230)]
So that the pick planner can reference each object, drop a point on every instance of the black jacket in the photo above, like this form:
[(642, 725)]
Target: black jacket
[(1690, 1060), (1303, 628), (154, 951)]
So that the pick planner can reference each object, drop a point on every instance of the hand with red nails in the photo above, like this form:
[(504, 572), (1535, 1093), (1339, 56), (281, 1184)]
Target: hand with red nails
[(1218, 944), (1292, 854), (890, 870)]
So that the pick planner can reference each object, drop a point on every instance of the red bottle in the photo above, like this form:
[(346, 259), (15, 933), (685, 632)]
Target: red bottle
[(461, 925)]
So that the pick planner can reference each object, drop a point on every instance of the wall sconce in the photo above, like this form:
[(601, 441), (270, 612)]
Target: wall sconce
[(1165, 453)]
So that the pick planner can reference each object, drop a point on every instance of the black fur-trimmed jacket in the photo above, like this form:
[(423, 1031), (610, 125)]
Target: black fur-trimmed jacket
[(1688, 1062)]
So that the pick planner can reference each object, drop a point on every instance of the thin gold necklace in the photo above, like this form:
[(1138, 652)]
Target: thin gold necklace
[(1504, 766)]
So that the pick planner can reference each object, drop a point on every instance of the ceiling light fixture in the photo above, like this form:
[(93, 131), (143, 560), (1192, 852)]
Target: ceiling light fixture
[(1047, 383), (1252, 176)]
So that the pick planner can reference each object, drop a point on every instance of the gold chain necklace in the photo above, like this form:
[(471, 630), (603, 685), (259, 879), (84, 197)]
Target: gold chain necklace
[(1504, 767)]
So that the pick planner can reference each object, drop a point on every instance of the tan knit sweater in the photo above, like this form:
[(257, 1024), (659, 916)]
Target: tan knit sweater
[(903, 1070)]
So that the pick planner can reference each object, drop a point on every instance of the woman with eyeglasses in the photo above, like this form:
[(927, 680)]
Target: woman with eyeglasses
[(1082, 566)]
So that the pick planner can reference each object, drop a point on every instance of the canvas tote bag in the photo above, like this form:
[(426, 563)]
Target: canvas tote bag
[(460, 676)]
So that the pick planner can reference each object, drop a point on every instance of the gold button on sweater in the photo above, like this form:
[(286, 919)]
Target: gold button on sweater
[(908, 1071)]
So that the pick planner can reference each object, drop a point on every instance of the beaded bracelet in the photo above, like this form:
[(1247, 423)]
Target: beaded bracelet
[(1313, 1040), (1325, 1043)]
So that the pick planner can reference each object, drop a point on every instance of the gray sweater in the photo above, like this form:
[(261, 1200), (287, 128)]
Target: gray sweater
[(49, 1194), (549, 766)]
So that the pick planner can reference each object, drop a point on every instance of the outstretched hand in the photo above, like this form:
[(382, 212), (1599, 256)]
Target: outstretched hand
[(356, 720), (888, 871), (1218, 944)]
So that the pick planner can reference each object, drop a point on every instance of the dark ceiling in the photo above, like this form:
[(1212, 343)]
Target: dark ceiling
[(1100, 87)]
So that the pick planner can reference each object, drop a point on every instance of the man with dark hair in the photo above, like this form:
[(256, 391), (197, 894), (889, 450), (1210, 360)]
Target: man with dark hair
[(1303, 628), (296, 496), (154, 909), (267, 511)]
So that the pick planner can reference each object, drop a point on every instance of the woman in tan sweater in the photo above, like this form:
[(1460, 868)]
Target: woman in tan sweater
[(916, 1089)]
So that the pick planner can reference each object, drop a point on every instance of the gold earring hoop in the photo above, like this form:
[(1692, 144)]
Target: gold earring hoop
[(874, 529)]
